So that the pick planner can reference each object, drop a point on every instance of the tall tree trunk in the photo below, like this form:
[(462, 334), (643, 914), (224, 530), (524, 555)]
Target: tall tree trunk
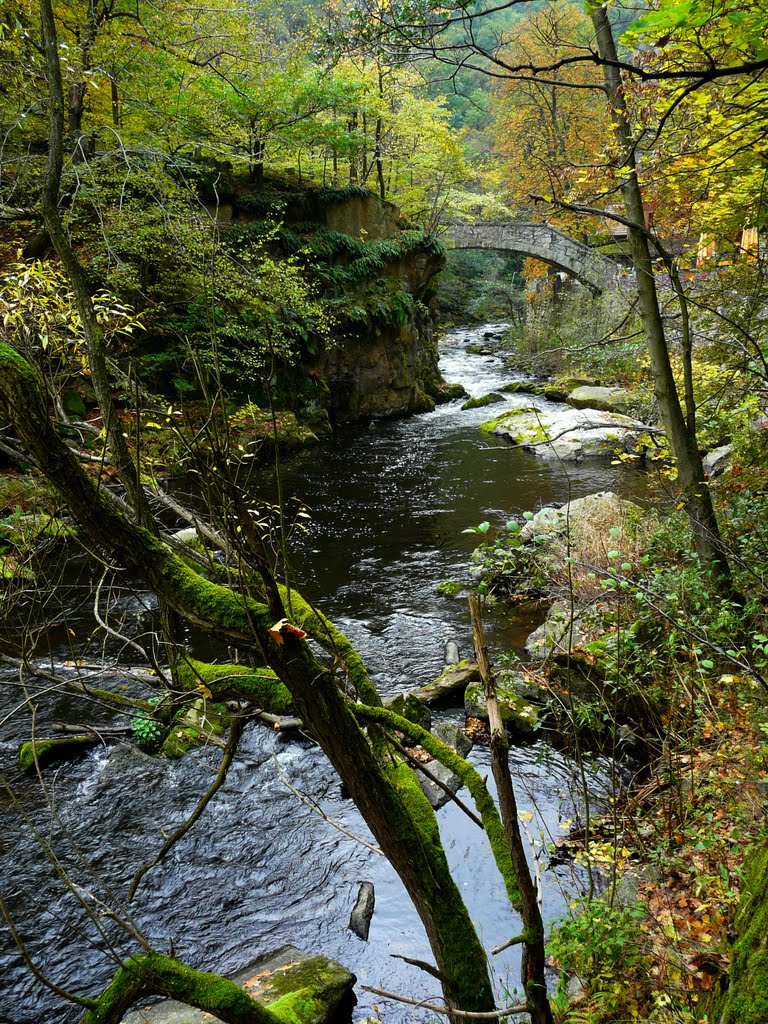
[(695, 492)]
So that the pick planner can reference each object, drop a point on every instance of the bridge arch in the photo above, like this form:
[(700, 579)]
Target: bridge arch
[(541, 242)]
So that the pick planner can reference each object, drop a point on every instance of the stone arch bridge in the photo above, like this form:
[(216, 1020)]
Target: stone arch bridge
[(542, 243)]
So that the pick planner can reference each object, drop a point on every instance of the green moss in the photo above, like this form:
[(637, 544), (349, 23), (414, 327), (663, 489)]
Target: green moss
[(261, 686), (469, 776), (153, 973), (516, 713), (49, 751), (252, 426), (306, 991), (746, 1001), (479, 403), (447, 392), (208, 603), (332, 640), (507, 420), (463, 960), (195, 725), (25, 531)]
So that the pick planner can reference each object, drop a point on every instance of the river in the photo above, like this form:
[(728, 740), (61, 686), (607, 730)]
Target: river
[(388, 506)]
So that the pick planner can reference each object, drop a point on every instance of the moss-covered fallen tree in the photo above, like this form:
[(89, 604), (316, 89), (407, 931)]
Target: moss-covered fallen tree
[(155, 974), (389, 802)]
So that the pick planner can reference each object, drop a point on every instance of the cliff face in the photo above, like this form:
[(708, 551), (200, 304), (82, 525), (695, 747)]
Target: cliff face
[(387, 371), (385, 364), (377, 273)]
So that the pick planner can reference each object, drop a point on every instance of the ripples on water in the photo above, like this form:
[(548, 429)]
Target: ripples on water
[(260, 869)]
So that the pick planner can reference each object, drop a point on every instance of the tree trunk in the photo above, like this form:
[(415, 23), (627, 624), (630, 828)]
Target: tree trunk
[(695, 492), (533, 966)]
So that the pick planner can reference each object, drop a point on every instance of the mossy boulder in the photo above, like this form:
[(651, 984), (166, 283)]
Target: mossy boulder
[(517, 714), (197, 724), (568, 434), (605, 399), (24, 532), (410, 707), (253, 428), (592, 513), (522, 387), (563, 629), (492, 398), (560, 388), (446, 392), (49, 751)]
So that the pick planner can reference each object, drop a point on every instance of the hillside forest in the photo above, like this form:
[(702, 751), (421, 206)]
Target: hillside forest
[(234, 237)]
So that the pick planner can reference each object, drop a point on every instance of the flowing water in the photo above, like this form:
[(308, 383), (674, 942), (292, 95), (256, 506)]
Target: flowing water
[(260, 868)]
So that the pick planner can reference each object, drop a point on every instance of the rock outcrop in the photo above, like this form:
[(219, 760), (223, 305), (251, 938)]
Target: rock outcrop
[(566, 433)]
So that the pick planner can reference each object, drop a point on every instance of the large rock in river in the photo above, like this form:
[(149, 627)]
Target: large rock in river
[(567, 434), (605, 399), (518, 715)]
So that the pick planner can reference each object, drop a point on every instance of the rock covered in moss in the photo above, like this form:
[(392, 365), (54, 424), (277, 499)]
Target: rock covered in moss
[(253, 427), (49, 751), (567, 434), (605, 399), (746, 1000), (197, 724), (448, 686), (409, 706), (523, 387), (517, 714), (563, 629), (492, 398), (599, 511), (560, 388), (446, 392)]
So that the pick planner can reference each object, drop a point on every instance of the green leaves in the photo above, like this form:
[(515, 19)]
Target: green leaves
[(482, 528)]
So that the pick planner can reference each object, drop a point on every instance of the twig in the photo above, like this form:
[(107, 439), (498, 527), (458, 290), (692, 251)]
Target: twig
[(317, 810), (516, 940), (449, 1010), (421, 964), (536, 856), (42, 978), (124, 639), (419, 766)]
